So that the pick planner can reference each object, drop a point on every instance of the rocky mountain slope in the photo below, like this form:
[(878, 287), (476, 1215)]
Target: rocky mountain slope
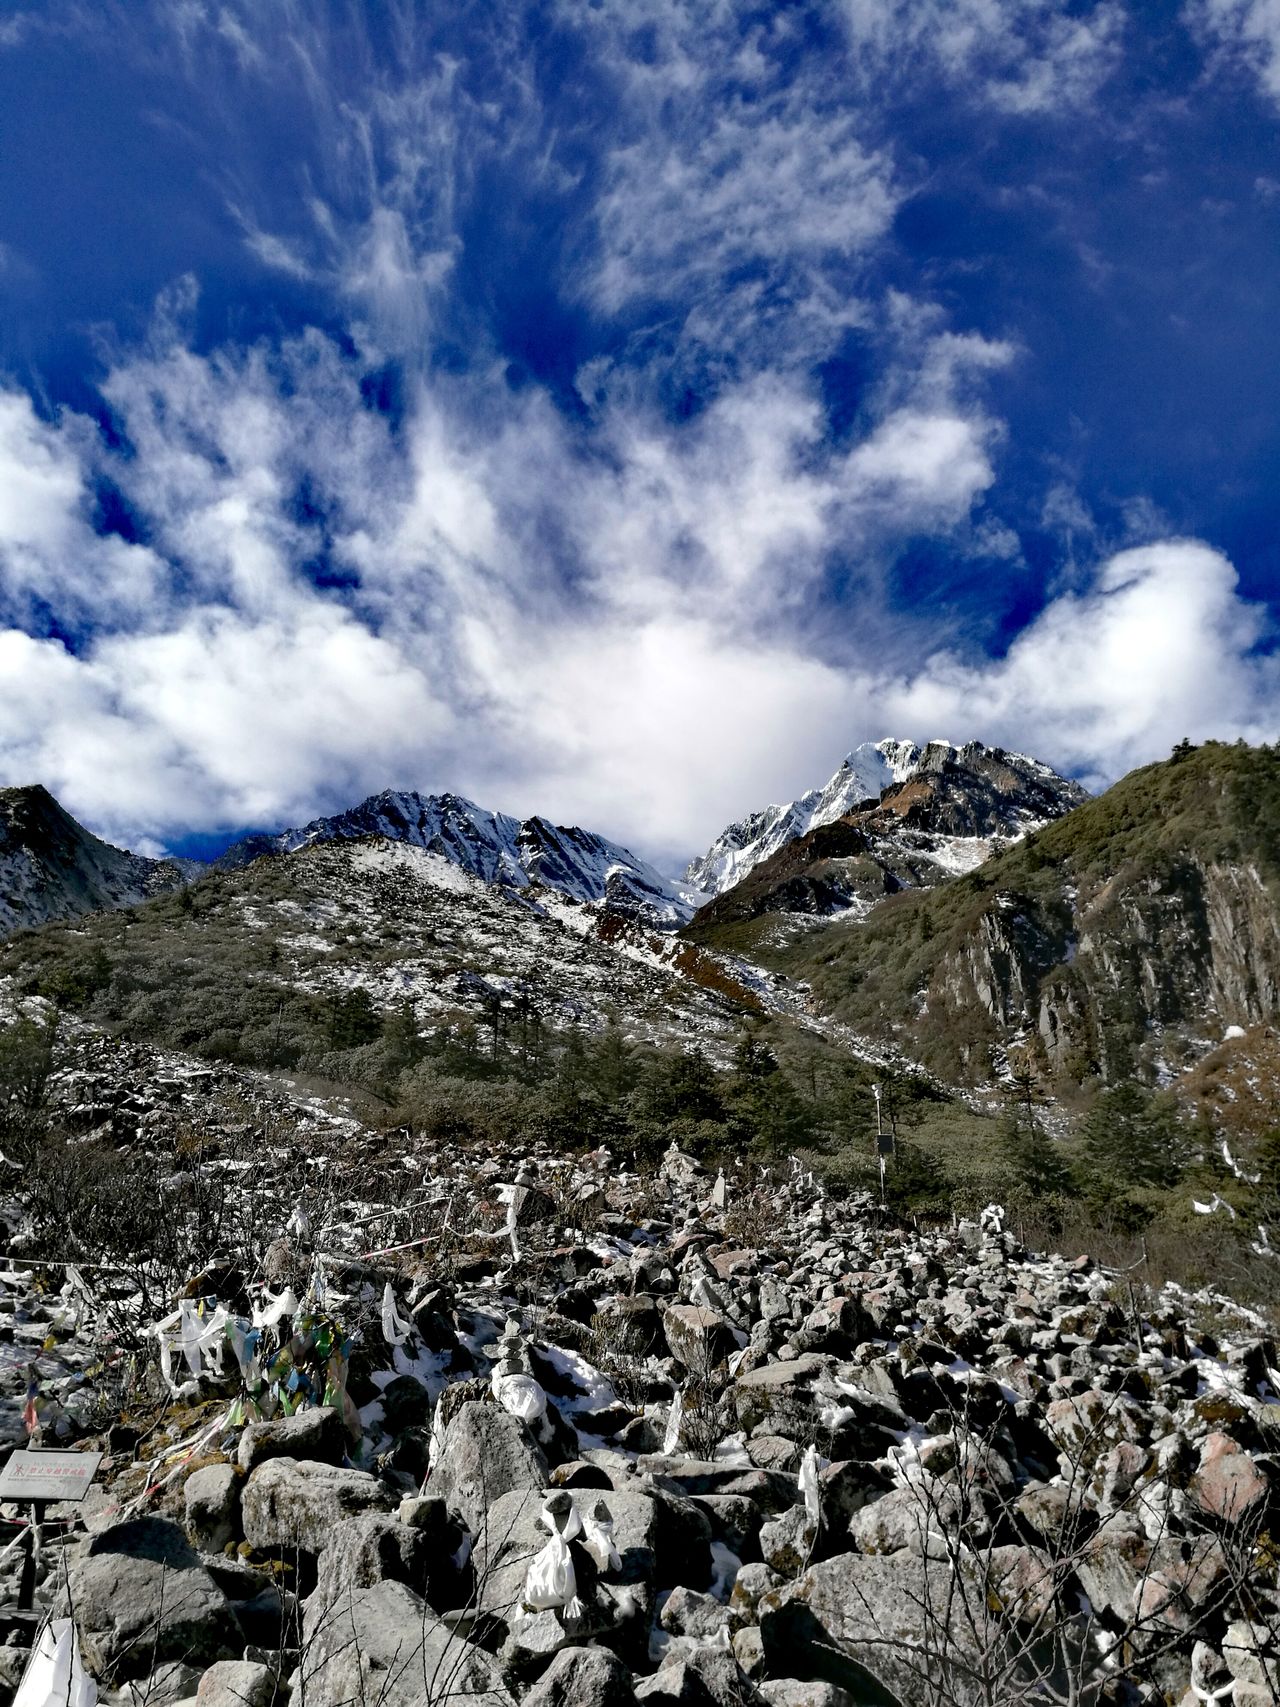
[(974, 792), (953, 808), (520, 1427), (556, 1376), (1123, 938), (252, 955), (498, 849), (52, 868)]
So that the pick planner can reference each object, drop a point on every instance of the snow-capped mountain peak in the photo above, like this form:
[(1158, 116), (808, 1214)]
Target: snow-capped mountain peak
[(1027, 793), (497, 848), (864, 775)]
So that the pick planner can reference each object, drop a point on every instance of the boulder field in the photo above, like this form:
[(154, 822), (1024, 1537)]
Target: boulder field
[(675, 1440)]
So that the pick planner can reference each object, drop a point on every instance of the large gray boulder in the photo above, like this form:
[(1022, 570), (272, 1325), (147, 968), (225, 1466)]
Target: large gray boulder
[(781, 1395), (486, 1452), (698, 1338), (290, 1503), (141, 1596), (384, 1644), (318, 1433), (705, 1677), (511, 1535), (772, 1490), (791, 1692), (212, 1498), (237, 1683), (895, 1627), (369, 1549), (172, 1681), (583, 1677)]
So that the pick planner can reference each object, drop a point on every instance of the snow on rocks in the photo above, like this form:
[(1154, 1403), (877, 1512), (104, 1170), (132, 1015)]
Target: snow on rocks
[(648, 1457)]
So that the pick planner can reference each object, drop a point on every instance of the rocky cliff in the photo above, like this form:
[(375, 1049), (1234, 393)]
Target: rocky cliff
[(52, 868)]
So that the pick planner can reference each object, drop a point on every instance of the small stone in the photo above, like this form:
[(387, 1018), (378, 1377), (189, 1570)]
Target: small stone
[(787, 1542), (748, 1650), (688, 1613)]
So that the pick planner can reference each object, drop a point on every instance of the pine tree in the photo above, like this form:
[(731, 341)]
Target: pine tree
[(1134, 1138)]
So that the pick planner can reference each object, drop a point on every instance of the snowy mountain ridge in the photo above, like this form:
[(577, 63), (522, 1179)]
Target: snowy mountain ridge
[(51, 867), (497, 848), (1038, 795)]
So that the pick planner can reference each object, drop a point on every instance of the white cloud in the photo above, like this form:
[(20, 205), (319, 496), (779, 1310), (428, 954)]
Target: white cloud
[(618, 634), (49, 552), (1021, 56), (932, 466), (1244, 31), (613, 632), (1159, 646)]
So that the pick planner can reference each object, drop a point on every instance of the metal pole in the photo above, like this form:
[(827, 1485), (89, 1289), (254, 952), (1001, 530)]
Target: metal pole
[(31, 1553)]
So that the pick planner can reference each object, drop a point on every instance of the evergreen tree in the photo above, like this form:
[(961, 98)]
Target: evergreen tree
[(613, 1071), (405, 1048), (767, 1111), (1133, 1137), (753, 1061), (683, 1085), (915, 1182), (1037, 1164), (26, 1060), (353, 1019)]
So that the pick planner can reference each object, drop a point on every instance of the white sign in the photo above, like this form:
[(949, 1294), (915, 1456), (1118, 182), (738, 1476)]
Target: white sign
[(37, 1475)]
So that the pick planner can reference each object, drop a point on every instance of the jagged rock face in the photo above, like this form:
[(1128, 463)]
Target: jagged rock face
[(955, 808), (980, 791), (496, 848), (1198, 946), (52, 868), (971, 792)]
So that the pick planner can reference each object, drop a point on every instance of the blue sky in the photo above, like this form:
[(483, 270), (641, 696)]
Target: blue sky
[(620, 408)]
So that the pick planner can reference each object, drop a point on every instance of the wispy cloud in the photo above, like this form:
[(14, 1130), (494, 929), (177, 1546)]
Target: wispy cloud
[(1243, 32), (1021, 56), (599, 603)]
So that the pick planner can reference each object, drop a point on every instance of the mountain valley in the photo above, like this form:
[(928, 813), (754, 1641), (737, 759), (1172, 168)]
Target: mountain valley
[(507, 1183)]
